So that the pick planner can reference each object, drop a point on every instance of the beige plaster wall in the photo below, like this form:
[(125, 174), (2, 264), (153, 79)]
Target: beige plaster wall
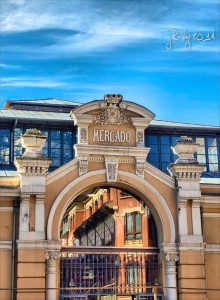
[(5, 274), (213, 275), (211, 230), (31, 274), (6, 225)]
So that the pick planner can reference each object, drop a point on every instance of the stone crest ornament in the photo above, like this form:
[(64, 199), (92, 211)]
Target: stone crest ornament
[(140, 168), (83, 166), (111, 165), (112, 111), (83, 134), (140, 137)]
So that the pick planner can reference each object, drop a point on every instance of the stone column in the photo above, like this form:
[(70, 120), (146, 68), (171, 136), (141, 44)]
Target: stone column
[(51, 273), (32, 168), (191, 267), (171, 280), (24, 214)]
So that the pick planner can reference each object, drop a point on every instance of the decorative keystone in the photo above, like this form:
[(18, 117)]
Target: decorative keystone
[(185, 148), (33, 141)]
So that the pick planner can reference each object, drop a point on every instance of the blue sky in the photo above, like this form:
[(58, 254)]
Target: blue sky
[(82, 49)]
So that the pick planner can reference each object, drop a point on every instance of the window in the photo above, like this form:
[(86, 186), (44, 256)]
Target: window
[(67, 146), (18, 150), (212, 154), (55, 147), (65, 226), (4, 146), (133, 226), (132, 274), (161, 154)]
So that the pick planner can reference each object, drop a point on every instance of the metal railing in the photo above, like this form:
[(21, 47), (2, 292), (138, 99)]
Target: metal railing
[(92, 271)]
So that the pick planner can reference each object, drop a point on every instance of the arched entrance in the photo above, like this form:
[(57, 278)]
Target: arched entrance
[(149, 198), (110, 247), (111, 152)]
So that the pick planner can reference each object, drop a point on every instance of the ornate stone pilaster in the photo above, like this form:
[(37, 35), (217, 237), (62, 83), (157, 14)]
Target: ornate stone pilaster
[(24, 215), (83, 135), (140, 163), (51, 258), (186, 170), (83, 165), (171, 259), (140, 137), (111, 165), (171, 281), (32, 168)]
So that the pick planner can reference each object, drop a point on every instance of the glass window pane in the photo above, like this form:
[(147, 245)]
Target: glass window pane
[(213, 167), (67, 135), (165, 149), (164, 140), (165, 157), (152, 139), (67, 145), (213, 159), (200, 149), (164, 166), (55, 144), (129, 223), (17, 132), (174, 139), (201, 159), (200, 141), (56, 162), (4, 146), (211, 142), (154, 149), (55, 152), (55, 135), (212, 150), (138, 222)]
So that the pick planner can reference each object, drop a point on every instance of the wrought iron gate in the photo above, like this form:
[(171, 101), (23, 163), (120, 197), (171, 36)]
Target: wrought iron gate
[(106, 272)]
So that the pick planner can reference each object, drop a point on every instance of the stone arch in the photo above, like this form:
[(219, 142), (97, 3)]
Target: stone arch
[(128, 181)]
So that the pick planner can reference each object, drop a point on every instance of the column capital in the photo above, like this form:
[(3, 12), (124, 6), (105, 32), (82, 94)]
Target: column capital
[(51, 257), (171, 258)]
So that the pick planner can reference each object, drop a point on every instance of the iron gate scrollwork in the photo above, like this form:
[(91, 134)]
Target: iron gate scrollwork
[(90, 273)]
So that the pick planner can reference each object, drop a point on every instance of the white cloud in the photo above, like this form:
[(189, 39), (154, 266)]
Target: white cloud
[(200, 48), (99, 27), (33, 82), (10, 67)]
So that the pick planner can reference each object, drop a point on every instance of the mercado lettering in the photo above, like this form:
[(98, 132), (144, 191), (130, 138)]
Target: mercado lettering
[(113, 136)]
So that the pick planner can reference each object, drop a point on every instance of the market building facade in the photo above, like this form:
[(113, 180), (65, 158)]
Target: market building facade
[(101, 201)]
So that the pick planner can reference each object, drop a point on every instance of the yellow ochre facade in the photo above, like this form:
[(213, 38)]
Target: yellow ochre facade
[(110, 155)]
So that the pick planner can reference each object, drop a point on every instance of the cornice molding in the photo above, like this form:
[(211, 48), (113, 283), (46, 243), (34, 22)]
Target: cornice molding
[(62, 171), (161, 176)]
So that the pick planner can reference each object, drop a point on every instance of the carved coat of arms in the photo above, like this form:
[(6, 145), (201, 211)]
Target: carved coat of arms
[(112, 112)]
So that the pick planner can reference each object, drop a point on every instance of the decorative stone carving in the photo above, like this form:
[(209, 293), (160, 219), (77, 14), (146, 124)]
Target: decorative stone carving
[(140, 137), (111, 169), (185, 148), (33, 141), (140, 168), (112, 111), (111, 165), (83, 134), (51, 257), (83, 166), (171, 258)]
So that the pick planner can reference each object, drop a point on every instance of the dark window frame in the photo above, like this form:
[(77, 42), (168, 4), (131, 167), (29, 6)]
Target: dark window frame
[(136, 235)]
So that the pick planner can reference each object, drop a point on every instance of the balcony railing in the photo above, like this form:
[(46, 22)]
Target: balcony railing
[(88, 271)]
